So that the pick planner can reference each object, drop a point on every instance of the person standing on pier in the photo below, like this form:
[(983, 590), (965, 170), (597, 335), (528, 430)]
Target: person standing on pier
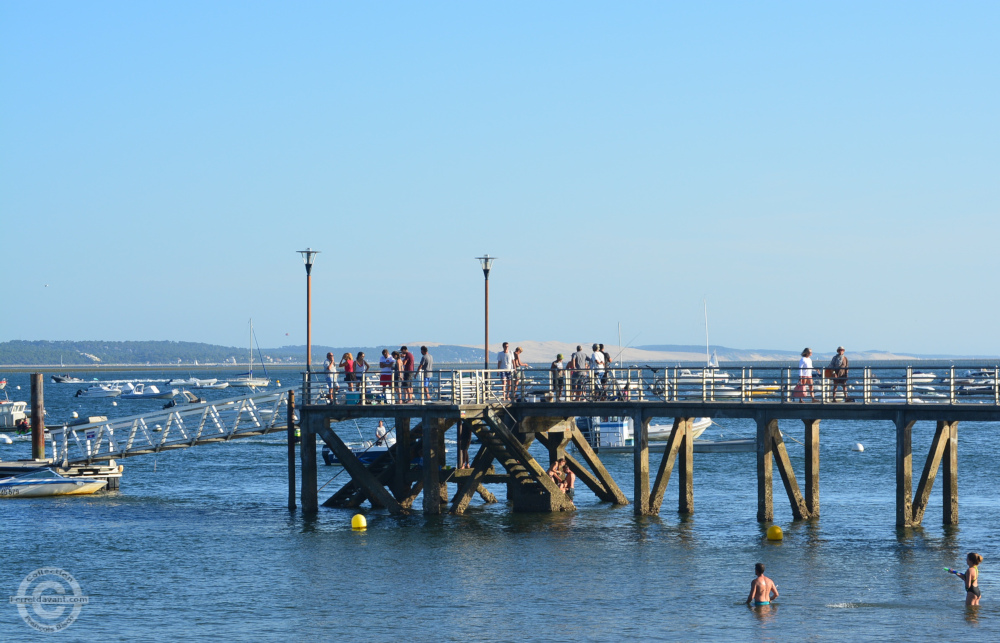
[(597, 365), (331, 375), (361, 367), (516, 373), (397, 378), (385, 374), (762, 589), (407, 358), (425, 369), (839, 365), (347, 362), (806, 374), (505, 363), (557, 369), (578, 364)]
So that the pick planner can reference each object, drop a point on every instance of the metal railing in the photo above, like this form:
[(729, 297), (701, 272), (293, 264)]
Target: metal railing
[(865, 385), (179, 427)]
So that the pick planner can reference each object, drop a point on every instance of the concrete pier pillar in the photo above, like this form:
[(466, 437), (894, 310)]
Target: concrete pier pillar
[(949, 486), (812, 467), (765, 471), (904, 471)]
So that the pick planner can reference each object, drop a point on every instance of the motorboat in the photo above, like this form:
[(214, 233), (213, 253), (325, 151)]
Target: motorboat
[(66, 379), (12, 413), (195, 382), (46, 482), (182, 398), (662, 431), (922, 377), (687, 376), (99, 390), (3, 384), (212, 384), (143, 392), (366, 452)]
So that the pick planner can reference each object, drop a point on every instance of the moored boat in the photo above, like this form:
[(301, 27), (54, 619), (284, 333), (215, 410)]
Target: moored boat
[(143, 392), (46, 482), (99, 390)]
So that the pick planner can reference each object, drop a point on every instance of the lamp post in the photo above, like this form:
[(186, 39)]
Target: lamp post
[(308, 256), (486, 262)]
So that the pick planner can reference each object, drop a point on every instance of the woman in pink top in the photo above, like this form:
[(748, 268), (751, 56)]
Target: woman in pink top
[(348, 364)]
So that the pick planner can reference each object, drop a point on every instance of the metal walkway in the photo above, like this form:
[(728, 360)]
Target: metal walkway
[(179, 427)]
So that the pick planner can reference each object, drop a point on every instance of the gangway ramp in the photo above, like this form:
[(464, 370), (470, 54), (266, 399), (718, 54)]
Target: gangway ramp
[(179, 427)]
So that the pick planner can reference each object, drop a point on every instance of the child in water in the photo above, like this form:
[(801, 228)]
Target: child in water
[(762, 588), (971, 578)]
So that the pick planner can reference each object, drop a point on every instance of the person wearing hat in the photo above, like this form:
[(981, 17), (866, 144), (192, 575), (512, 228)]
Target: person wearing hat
[(558, 377), (839, 365)]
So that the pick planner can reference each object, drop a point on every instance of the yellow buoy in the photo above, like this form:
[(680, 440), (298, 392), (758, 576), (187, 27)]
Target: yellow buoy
[(359, 522), (774, 533)]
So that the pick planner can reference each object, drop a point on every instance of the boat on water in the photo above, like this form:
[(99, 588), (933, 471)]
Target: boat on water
[(210, 384), (610, 434), (143, 392), (66, 379), (12, 414), (182, 398), (922, 377), (46, 482), (367, 451), (247, 379), (99, 390), (3, 384)]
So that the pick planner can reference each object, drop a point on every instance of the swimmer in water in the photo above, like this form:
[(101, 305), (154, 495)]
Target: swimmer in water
[(762, 588), (971, 578)]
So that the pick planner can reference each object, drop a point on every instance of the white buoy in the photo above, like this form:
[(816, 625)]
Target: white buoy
[(858, 447), (5, 439), (74, 415), (19, 388), (114, 404), (158, 428)]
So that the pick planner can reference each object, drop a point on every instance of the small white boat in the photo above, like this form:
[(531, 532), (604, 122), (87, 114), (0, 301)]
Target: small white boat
[(99, 390), (922, 377), (662, 431), (143, 392), (11, 413), (47, 482), (248, 380), (3, 384), (212, 385)]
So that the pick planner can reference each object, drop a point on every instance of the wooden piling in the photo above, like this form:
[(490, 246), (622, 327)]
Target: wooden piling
[(904, 471), (949, 486), (431, 466), (615, 494), (780, 455), (812, 467), (667, 465), (931, 465), (685, 471), (401, 481), (37, 417), (640, 456), (765, 499), (309, 493), (291, 450)]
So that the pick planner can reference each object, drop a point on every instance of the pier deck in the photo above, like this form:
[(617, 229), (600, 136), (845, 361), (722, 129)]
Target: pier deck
[(537, 408)]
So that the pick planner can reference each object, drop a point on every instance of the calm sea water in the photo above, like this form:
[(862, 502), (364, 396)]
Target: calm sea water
[(198, 544)]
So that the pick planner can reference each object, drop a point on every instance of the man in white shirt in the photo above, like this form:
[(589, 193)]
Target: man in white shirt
[(597, 365), (505, 364)]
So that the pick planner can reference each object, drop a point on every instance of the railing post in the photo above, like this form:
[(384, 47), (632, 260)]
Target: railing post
[(909, 384), (951, 385), (996, 385), (786, 385), (866, 385), (743, 385)]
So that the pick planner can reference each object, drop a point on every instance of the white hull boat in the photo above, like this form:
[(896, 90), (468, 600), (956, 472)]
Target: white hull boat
[(99, 390), (43, 483), (143, 392), (662, 431), (11, 413)]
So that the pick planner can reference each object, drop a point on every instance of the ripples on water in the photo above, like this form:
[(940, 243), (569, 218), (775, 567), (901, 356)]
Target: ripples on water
[(203, 547)]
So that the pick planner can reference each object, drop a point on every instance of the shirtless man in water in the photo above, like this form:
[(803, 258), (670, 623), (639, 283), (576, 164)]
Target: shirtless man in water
[(762, 589)]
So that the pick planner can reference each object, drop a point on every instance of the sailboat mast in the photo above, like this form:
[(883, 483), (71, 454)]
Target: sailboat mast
[(250, 367), (708, 360)]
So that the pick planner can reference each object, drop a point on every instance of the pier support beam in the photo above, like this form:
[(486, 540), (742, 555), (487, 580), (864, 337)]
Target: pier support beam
[(926, 484), (401, 479), (765, 471), (640, 456), (667, 463), (685, 471), (812, 467), (37, 417), (432, 465), (950, 483), (904, 471), (291, 450), (309, 494)]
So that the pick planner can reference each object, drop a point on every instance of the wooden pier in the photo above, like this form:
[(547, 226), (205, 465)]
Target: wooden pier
[(414, 465)]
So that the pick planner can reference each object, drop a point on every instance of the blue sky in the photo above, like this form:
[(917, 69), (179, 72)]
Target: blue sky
[(822, 174)]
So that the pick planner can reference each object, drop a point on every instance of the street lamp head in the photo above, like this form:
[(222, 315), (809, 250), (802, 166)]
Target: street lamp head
[(486, 262), (308, 256)]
